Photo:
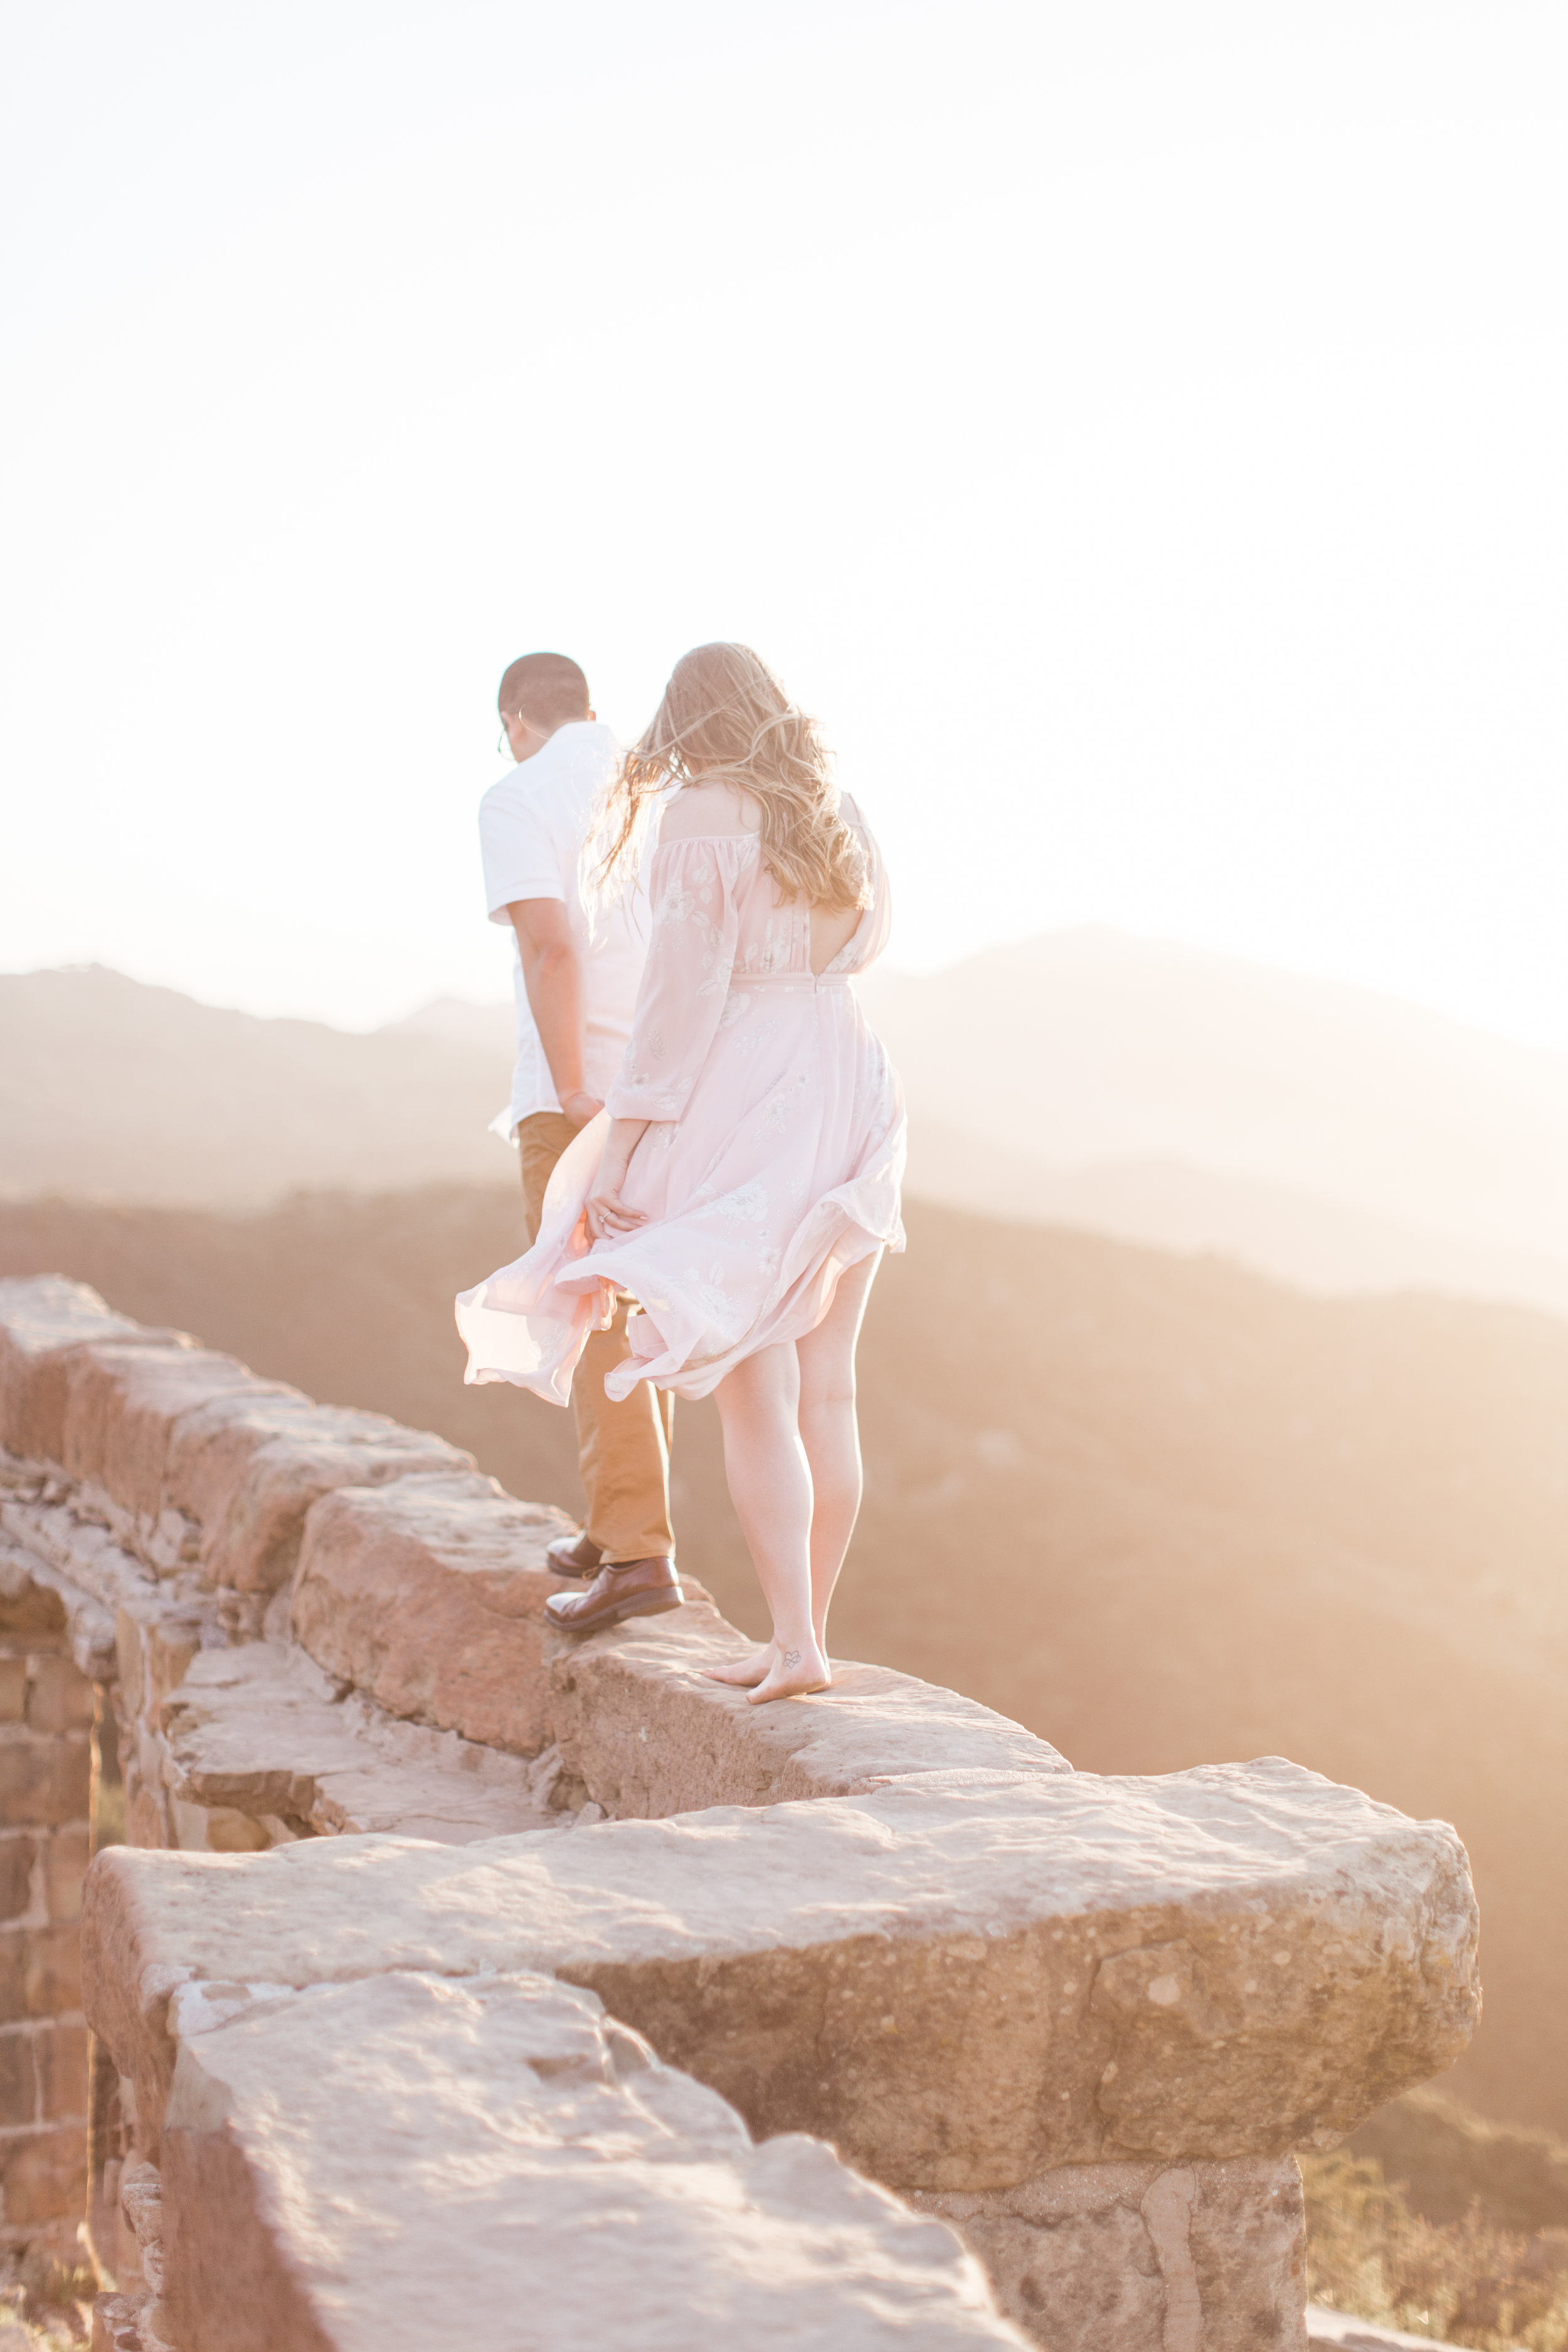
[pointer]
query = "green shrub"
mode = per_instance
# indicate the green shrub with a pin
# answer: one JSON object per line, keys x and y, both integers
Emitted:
{"x": 1468, "y": 2282}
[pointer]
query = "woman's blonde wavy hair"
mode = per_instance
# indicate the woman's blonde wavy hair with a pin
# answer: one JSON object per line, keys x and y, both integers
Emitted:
{"x": 726, "y": 720}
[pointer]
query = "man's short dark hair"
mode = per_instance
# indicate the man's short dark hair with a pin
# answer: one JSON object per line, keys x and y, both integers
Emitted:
{"x": 547, "y": 689}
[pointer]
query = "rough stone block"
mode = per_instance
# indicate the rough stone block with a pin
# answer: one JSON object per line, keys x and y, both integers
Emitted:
{"x": 43, "y": 1781}
{"x": 42, "y": 1319}
{"x": 59, "y": 2055}
{"x": 18, "y": 2079}
{"x": 122, "y": 1401}
{"x": 260, "y": 1733}
{"x": 59, "y": 1593}
{"x": 59, "y": 1696}
{"x": 28, "y": 1608}
{"x": 43, "y": 2175}
{"x": 155, "y": 1641}
{"x": 217, "y": 1828}
{"x": 114, "y": 2327}
{"x": 147, "y": 1818}
{"x": 13, "y": 1688}
{"x": 40, "y": 1972}
{"x": 325, "y": 2152}
{"x": 15, "y": 1875}
{"x": 248, "y": 1469}
{"x": 1146, "y": 2258}
{"x": 919, "y": 1971}
{"x": 429, "y": 1594}
{"x": 646, "y": 1735}
{"x": 65, "y": 1857}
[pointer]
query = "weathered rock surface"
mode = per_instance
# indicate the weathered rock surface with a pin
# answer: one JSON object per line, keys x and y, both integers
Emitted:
{"x": 1146, "y": 2258}
{"x": 646, "y": 1735}
{"x": 43, "y": 1319}
{"x": 429, "y": 1596}
{"x": 122, "y": 1401}
{"x": 261, "y": 1731}
{"x": 79, "y": 1559}
{"x": 247, "y": 1468}
{"x": 588, "y": 2195}
{"x": 963, "y": 1985}
{"x": 206, "y": 1462}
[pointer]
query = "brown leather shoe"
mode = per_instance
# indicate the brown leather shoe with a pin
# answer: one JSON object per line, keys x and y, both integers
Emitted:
{"x": 627, "y": 1588}
{"x": 574, "y": 1556}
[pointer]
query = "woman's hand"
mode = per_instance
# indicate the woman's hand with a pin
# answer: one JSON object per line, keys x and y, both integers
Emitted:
{"x": 609, "y": 1217}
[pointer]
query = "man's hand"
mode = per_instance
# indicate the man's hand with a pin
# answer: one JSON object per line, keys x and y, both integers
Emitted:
{"x": 580, "y": 1107}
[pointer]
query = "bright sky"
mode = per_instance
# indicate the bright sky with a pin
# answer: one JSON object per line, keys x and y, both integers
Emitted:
{"x": 1136, "y": 428}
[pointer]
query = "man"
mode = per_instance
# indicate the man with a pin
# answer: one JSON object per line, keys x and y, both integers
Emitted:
{"x": 576, "y": 986}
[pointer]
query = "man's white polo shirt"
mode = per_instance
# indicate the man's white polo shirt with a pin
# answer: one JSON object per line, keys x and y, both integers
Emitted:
{"x": 533, "y": 827}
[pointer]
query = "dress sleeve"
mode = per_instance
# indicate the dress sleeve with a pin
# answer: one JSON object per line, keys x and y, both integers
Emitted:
{"x": 692, "y": 953}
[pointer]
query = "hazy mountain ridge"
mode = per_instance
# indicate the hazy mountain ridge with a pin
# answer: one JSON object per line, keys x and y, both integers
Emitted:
{"x": 1322, "y": 1134}
{"x": 1086, "y": 1047}
{"x": 118, "y": 1091}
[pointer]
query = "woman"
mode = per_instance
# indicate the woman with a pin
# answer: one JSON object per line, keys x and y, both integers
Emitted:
{"x": 743, "y": 1178}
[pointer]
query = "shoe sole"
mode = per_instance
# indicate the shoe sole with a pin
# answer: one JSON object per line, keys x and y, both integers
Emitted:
{"x": 653, "y": 1605}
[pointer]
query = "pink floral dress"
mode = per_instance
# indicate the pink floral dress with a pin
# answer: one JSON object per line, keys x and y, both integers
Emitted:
{"x": 773, "y": 1157}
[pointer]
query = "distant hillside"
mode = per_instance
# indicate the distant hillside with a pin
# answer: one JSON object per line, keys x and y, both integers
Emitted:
{"x": 1323, "y": 1134}
{"x": 115, "y": 1091}
{"x": 1297, "y": 1237}
{"x": 1326, "y": 1133}
{"x": 1159, "y": 1509}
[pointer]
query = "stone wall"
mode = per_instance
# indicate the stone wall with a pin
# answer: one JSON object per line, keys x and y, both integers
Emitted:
{"x": 47, "y": 1753}
{"x": 455, "y": 1968}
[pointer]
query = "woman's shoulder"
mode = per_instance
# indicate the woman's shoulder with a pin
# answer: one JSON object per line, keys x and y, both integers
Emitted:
{"x": 701, "y": 812}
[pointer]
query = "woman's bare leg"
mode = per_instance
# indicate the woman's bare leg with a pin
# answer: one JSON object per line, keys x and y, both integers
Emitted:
{"x": 829, "y": 1440}
{"x": 830, "y": 1433}
{"x": 770, "y": 1486}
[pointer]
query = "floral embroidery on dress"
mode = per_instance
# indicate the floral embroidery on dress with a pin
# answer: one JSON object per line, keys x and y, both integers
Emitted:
{"x": 718, "y": 985}
{"x": 723, "y": 1311}
{"x": 748, "y": 1043}
{"x": 772, "y": 953}
{"x": 747, "y": 1206}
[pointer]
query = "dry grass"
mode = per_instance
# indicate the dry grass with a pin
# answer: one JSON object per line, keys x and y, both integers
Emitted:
{"x": 1468, "y": 2282}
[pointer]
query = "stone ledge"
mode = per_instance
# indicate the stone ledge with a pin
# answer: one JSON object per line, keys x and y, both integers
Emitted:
{"x": 263, "y": 1732}
{"x": 1145, "y": 2256}
{"x": 43, "y": 1319}
{"x": 612, "y": 2201}
{"x": 246, "y": 1470}
{"x": 963, "y": 1985}
{"x": 428, "y": 1595}
{"x": 646, "y": 1735}
{"x": 123, "y": 1402}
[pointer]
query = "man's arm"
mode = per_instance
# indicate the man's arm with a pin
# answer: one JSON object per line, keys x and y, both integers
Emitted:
{"x": 552, "y": 975}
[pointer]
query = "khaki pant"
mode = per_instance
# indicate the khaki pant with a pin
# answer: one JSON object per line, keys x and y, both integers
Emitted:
{"x": 622, "y": 1450}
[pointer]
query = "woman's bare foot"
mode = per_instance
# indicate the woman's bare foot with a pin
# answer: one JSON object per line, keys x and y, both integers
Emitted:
{"x": 748, "y": 1673}
{"x": 792, "y": 1675}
